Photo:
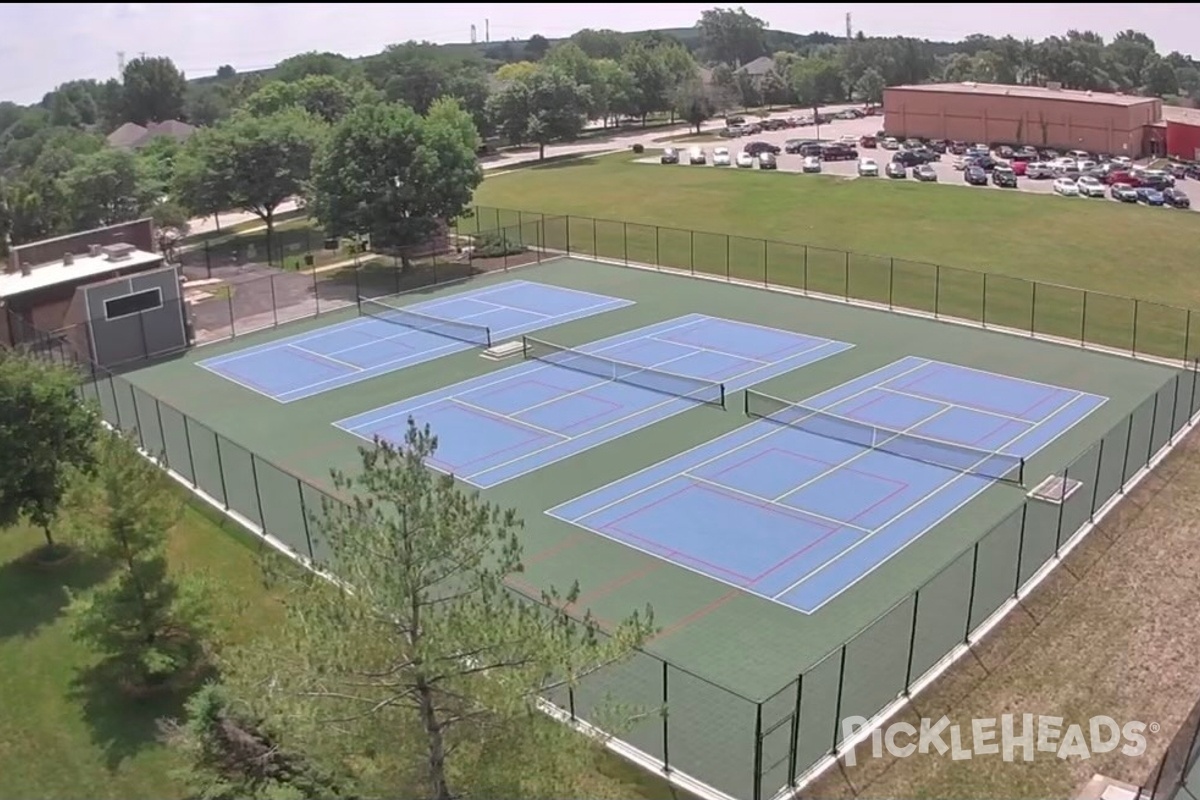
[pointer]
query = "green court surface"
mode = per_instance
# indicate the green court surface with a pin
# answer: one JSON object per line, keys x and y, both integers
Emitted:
{"x": 735, "y": 717}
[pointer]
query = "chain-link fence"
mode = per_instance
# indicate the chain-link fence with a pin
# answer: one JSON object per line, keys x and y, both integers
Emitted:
{"x": 1034, "y": 308}
{"x": 1177, "y": 776}
{"x": 744, "y": 747}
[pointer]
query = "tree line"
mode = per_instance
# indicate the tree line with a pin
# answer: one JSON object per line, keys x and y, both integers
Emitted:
{"x": 266, "y": 137}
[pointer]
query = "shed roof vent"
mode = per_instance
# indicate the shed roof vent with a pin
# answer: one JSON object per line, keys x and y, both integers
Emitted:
{"x": 118, "y": 252}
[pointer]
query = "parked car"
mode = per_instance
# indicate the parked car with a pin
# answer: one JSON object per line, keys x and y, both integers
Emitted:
{"x": 721, "y": 157}
{"x": 895, "y": 169}
{"x": 1089, "y": 186}
{"x": 868, "y": 168}
{"x": 745, "y": 160}
{"x": 793, "y": 145}
{"x": 1018, "y": 167}
{"x": 697, "y": 156}
{"x": 838, "y": 152}
{"x": 811, "y": 164}
{"x": 890, "y": 143}
{"x": 1150, "y": 196}
{"x": 1004, "y": 177}
{"x": 754, "y": 148}
{"x": 670, "y": 156}
{"x": 1066, "y": 187}
{"x": 909, "y": 158}
{"x": 1123, "y": 192}
{"x": 811, "y": 149}
{"x": 1039, "y": 170}
{"x": 867, "y": 142}
{"x": 975, "y": 175}
{"x": 767, "y": 161}
{"x": 1156, "y": 178}
{"x": 1176, "y": 198}
{"x": 925, "y": 173}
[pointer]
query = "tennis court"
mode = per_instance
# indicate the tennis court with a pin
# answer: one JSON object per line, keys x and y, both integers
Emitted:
{"x": 391, "y": 337}
{"x": 564, "y": 401}
{"x": 801, "y": 504}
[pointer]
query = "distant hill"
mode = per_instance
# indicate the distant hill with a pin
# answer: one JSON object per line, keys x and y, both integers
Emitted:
{"x": 511, "y": 49}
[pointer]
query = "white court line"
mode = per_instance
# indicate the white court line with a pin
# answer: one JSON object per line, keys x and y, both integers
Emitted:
{"x": 1009, "y": 378}
{"x": 1077, "y": 396}
{"x": 773, "y": 430}
{"x": 510, "y": 308}
{"x": 406, "y": 330}
{"x": 502, "y": 378}
{"x": 972, "y": 409}
{"x": 867, "y": 449}
{"x": 237, "y": 381}
{"x": 324, "y": 357}
{"x": 792, "y": 511}
{"x": 508, "y": 418}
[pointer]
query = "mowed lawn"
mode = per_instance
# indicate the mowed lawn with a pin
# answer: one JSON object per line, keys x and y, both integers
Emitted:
{"x": 1148, "y": 253}
{"x": 67, "y": 733}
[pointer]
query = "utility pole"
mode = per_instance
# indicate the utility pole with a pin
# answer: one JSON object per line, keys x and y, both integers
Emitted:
{"x": 849, "y": 30}
{"x": 120, "y": 63}
{"x": 487, "y": 31}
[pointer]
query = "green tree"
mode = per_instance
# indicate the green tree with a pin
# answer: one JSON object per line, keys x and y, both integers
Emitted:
{"x": 154, "y": 90}
{"x": 206, "y": 105}
{"x": 611, "y": 91}
{"x": 195, "y": 185}
{"x": 599, "y": 44}
{"x": 694, "y": 103}
{"x": 537, "y": 47}
{"x": 254, "y": 163}
{"x": 323, "y": 96}
{"x": 46, "y": 435}
{"x": 651, "y": 82}
{"x": 105, "y": 188}
{"x": 6, "y": 221}
{"x": 304, "y": 65}
{"x": 398, "y": 176}
{"x": 149, "y": 624}
{"x": 231, "y": 755}
{"x": 157, "y": 165}
{"x": 732, "y": 36}
{"x": 870, "y": 85}
{"x": 428, "y": 642}
{"x": 556, "y": 108}
{"x": 226, "y": 72}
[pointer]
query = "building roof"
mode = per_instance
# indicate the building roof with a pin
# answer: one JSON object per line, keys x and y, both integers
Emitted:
{"x": 1033, "y": 92}
{"x": 1177, "y": 114}
{"x": 85, "y": 268}
{"x": 131, "y": 136}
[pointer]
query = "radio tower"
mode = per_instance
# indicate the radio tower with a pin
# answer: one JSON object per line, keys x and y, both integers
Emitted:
{"x": 849, "y": 30}
{"x": 120, "y": 63}
{"x": 472, "y": 34}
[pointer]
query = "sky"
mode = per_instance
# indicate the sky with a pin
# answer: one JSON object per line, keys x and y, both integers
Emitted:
{"x": 45, "y": 44}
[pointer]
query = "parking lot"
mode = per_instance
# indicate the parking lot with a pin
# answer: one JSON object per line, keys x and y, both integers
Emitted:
{"x": 835, "y": 130}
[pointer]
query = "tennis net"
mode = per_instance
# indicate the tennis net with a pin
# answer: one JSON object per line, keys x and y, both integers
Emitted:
{"x": 655, "y": 380}
{"x": 963, "y": 458}
{"x": 450, "y": 328}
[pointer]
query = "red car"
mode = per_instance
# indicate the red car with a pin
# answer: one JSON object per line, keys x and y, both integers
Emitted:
{"x": 867, "y": 143}
{"x": 1121, "y": 176}
{"x": 1018, "y": 167}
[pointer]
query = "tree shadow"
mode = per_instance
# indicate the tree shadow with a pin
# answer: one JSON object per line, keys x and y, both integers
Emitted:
{"x": 34, "y": 594}
{"x": 123, "y": 722}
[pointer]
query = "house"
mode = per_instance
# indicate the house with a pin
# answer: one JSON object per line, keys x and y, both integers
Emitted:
{"x": 756, "y": 69}
{"x": 132, "y": 136}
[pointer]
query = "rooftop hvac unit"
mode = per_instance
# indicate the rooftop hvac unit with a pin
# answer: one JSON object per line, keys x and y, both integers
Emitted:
{"x": 93, "y": 250}
{"x": 1054, "y": 86}
{"x": 118, "y": 252}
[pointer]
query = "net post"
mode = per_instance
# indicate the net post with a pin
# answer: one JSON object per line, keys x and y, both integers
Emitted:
{"x": 746, "y": 402}
{"x": 666, "y": 716}
{"x": 487, "y": 337}
{"x": 1021, "y": 471}
{"x": 525, "y": 347}
{"x": 722, "y": 388}
{"x": 758, "y": 750}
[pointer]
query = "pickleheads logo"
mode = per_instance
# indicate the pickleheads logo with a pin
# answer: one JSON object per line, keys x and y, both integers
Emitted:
{"x": 1010, "y": 737}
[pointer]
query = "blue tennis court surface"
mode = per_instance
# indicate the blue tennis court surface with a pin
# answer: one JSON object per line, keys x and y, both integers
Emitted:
{"x": 797, "y": 517}
{"x": 498, "y": 427}
{"x": 339, "y": 355}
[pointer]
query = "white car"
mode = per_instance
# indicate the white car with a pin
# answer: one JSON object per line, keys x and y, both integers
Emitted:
{"x": 745, "y": 160}
{"x": 868, "y": 168}
{"x": 1089, "y": 186}
{"x": 1066, "y": 187}
{"x": 1122, "y": 161}
{"x": 890, "y": 143}
{"x": 721, "y": 157}
{"x": 1038, "y": 170}
{"x": 696, "y": 156}
{"x": 811, "y": 164}
{"x": 847, "y": 138}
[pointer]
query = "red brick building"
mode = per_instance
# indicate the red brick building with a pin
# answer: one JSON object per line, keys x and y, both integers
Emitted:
{"x": 1050, "y": 116}
{"x": 1182, "y": 131}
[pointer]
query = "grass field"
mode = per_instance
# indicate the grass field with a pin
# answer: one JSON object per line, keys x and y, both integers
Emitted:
{"x": 1108, "y": 247}
{"x": 65, "y": 733}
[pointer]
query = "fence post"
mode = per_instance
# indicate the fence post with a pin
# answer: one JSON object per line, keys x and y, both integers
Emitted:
{"x": 1174, "y": 409}
{"x": 1125, "y": 462}
{"x": 758, "y": 754}
{"x": 804, "y": 280}
{"x": 112, "y": 385}
{"x": 1192, "y": 398}
{"x": 275, "y": 303}
{"x": 846, "y": 277}
{"x": 207, "y": 260}
{"x": 568, "y": 223}
{"x": 912, "y": 641}
{"x": 137, "y": 418}
{"x": 262, "y": 519}
{"x": 312, "y": 556}
{"x": 1153, "y": 424}
{"x": 595, "y": 242}
{"x": 232, "y": 321}
{"x": 837, "y": 704}
{"x": 220, "y": 469}
{"x": 162, "y": 434}
{"x": 971, "y": 594}
{"x": 666, "y": 724}
{"x": 727, "y": 272}
{"x": 891, "y": 282}
{"x": 657, "y": 260}
{"x": 692, "y": 251}
{"x": 937, "y": 290}
{"x": 794, "y": 734}
{"x": 1187, "y": 335}
{"x": 571, "y": 702}
{"x": 983, "y": 303}
{"x": 187, "y": 441}
{"x": 1020, "y": 549}
{"x": 1133, "y": 345}
{"x": 1083, "y": 321}
{"x": 625, "y": 242}
{"x": 1096, "y": 483}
